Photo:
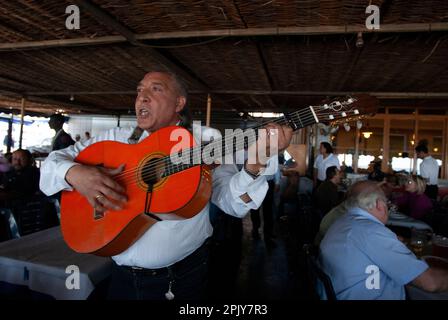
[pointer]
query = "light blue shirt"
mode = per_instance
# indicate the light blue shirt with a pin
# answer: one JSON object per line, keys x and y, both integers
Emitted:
{"x": 356, "y": 242}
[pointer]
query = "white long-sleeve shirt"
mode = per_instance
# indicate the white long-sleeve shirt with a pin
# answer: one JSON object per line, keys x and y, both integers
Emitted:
{"x": 429, "y": 169}
{"x": 172, "y": 239}
{"x": 322, "y": 164}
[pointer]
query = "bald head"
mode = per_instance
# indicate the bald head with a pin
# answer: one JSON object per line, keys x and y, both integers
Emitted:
{"x": 369, "y": 196}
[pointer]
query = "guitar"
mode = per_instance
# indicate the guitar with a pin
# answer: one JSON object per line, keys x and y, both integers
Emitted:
{"x": 154, "y": 184}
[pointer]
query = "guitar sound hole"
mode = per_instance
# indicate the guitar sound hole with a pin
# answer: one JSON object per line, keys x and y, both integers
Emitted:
{"x": 152, "y": 171}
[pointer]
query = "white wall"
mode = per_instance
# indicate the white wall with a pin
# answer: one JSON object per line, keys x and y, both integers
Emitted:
{"x": 79, "y": 124}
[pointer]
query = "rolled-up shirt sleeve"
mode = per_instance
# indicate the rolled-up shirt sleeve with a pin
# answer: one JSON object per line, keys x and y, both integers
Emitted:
{"x": 55, "y": 167}
{"x": 229, "y": 185}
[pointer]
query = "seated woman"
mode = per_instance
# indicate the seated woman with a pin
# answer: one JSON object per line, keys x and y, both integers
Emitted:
{"x": 413, "y": 201}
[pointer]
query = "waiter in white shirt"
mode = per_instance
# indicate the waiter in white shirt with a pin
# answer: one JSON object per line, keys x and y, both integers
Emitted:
{"x": 170, "y": 259}
{"x": 429, "y": 169}
{"x": 324, "y": 160}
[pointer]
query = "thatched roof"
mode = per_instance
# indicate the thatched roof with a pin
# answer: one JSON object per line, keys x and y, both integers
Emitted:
{"x": 249, "y": 55}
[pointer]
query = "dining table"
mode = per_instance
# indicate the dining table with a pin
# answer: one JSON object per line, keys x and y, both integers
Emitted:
{"x": 398, "y": 219}
{"x": 44, "y": 263}
{"x": 415, "y": 293}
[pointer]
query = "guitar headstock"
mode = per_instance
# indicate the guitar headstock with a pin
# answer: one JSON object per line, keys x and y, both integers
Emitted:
{"x": 347, "y": 109}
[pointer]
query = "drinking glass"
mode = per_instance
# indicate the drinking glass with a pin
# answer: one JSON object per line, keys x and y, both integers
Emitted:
{"x": 419, "y": 239}
{"x": 440, "y": 246}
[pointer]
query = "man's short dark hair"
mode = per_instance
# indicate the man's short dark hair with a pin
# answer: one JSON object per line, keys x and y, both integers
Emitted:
{"x": 58, "y": 118}
{"x": 331, "y": 172}
{"x": 421, "y": 148}
{"x": 182, "y": 90}
{"x": 327, "y": 147}
{"x": 27, "y": 153}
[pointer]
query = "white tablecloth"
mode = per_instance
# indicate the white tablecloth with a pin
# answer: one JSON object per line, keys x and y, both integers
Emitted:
{"x": 39, "y": 261}
{"x": 401, "y": 220}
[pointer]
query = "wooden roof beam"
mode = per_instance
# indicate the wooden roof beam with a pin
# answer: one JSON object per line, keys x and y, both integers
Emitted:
{"x": 388, "y": 95}
{"x": 246, "y": 32}
{"x": 105, "y": 18}
{"x": 55, "y": 102}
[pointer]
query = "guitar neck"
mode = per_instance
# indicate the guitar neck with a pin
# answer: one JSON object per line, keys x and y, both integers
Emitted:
{"x": 229, "y": 145}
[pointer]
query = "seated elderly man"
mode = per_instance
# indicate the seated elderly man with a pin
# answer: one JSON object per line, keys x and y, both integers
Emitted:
{"x": 327, "y": 196}
{"x": 22, "y": 181}
{"x": 365, "y": 260}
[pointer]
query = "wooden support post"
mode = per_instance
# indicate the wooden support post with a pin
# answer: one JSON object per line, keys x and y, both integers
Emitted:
{"x": 416, "y": 125}
{"x": 22, "y": 115}
{"x": 209, "y": 107}
{"x": 386, "y": 145}
{"x": 356, "y": 155}
{"x": 9, "y": 139}
{"x": 444, "y": 174}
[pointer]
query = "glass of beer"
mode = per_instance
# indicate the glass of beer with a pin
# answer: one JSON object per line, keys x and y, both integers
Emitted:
{"x": 440, "y": 246}
{"x": 419, "y": 239}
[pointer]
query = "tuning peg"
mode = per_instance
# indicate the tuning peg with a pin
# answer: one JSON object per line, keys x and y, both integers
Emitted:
{"x": 346, "y": 127}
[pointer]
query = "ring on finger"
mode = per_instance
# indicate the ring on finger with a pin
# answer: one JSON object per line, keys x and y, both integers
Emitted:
{"x": 99, "y": 196}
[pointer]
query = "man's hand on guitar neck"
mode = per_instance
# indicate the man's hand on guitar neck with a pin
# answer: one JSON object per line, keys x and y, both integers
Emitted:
{"x": 283, "y": 135}
{"x": 98, "y": 186}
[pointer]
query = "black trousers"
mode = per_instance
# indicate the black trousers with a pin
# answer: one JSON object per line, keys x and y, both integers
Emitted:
{"x": 268, "y": 215}
{"x": 432, "y": 191}
{"x": 187, "y": 278}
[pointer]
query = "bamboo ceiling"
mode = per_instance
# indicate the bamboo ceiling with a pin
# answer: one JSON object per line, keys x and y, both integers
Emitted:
{"x": 249, "y": 55}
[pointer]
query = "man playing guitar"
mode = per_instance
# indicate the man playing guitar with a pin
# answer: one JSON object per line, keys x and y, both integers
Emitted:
{"x": 170, "y": 259}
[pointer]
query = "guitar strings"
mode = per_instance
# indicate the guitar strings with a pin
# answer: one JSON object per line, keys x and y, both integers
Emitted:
{"x": 196, "y": 149}
{"x": 162, "y": 159}
{"x": 149, "y": 171}
{"x": 175, "y": 167}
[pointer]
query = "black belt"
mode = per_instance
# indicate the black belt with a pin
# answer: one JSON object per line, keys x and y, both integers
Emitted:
{"x": 185, "y": 263}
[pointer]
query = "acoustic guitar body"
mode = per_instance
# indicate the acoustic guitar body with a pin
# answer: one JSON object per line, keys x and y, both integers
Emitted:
{"x": 184, "y": 193}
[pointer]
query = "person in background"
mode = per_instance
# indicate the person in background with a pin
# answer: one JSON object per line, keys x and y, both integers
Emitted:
{"x": 375, "y": 172}
{"x": 5, "y": 163}
{"x": 359, "y": 246}
{"x": 429, "y": 169}
{"x": 325, "y": 159}
{"x": 414, "y": 202}
{"x": 77, "y": 138}
{"x": 345, "y": 168}
{"x": 22, "y": 182}
{"x": 87, "y": 135}
{"x": 62, "y": 139}
{"x": 327, "y": 195}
